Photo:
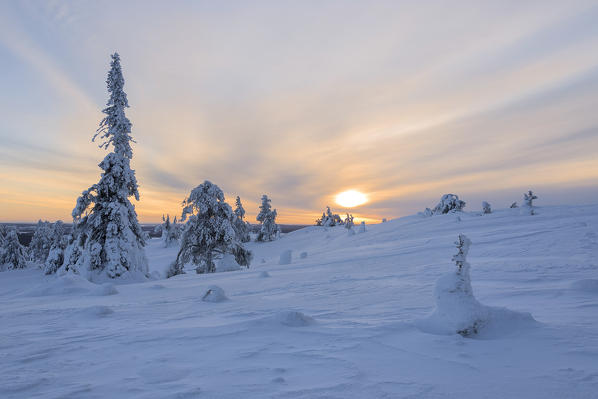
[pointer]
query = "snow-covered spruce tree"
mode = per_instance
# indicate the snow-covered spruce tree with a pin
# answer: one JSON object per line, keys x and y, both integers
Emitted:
{"x": 56, "y": 255}
{"x": 269, "y": 230}
{"x": 448, "y": 203}
{"x": 241, "y": 227}
{"x": 209, "y": 232}
{"x": 528, "y": 202}
{"x": 486, "y": 208}
{"x": 12, "y": 253}
{"x": 42, "y": 239}
{"x": 107, "y": 239}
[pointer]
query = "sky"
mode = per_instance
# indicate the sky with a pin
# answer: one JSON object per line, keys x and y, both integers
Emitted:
{"x": 401, "y": 100}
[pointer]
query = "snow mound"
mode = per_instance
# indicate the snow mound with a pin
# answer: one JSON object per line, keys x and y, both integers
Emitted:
{"x": 588, "y": 285}
{"x": 303, "y": 255}
{"x": 459, "y": 312}
{"x": 264, "y": 274}
{"x": 214, "y": 294}
{"x": 157, "y": 287}
{"x": 293, "y": 319}
{"x": 285, "y": 257}
{"x": 106, "y": 289}
{"x": 227, "y": 264}
{"x": 67, "y": 284}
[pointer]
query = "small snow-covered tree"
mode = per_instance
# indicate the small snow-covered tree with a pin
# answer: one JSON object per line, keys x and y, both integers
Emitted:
{"x": 528, "y": 201}
{"x": 108, "y": 240}
{"x": 269, "y": 230}
{"x": 42, "y": 239}
{"x": 329, "y": 219}
{"x": 241, "y": 227}
{"x": 486, "y": 208}
{"x": 448, "y": 203}
{"x": 12, "y": 253}
{"x": 170, "y": 232}
{"x": 349, "y": 222}
{"x": 209, "y": 232}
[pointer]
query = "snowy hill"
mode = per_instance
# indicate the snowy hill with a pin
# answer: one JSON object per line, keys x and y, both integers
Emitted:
{"x": 343, "y": 322}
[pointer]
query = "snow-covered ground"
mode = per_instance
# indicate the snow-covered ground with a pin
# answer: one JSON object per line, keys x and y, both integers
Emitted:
{"x": 343, "y": 322}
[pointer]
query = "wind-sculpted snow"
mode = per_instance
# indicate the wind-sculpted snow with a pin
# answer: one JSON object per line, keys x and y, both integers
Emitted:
{"x": 348, "y": 321}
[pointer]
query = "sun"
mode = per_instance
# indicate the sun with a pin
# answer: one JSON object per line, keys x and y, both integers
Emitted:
{"x": 351, "y": 198}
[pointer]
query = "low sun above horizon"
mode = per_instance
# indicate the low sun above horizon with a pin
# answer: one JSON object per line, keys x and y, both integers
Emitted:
{"x": 351, "y": 198}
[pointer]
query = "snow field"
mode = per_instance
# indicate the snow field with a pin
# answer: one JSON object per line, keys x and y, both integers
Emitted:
{"x": 348, "y": 321}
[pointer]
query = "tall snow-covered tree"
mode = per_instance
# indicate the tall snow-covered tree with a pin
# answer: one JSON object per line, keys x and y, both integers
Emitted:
{"x": 241, "y": 227}
{"x": 269, "y": 230}
{"x": 209, "y": 232}
{"x": 42, "y": 240}
{"x": 12, "y": 253}
{"x": 108, "y": 240}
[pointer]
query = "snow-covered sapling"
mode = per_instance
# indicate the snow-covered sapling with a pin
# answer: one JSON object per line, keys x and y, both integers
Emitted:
{"x": 349, "y": 222}
{"x": 528, "y": 201}
{"x": 12, "y": 253}
{"x": 486, "y": 208}
{"x": 242, "y": 228}
{"x": 269, "y": 230}
{"x": 349, "y": 225}
{"x": 108, "y": 240}
{"x": 209, "y": 233}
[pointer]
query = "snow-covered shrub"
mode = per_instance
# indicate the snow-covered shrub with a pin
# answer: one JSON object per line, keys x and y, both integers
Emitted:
{"x": 209, "y": 233}
{"x": 528, "y": 202}
{"x": 269, "y": 230}
{"x": 285, "y": 257}
{"x": 242, "y": 228}
{"x": 514, "y": 205}
{"x": 448, "y": 203}
{"x": 108, "y": 240}
{"x": 12, "y": 253}
{"x": 329, "y": 219}
{"x": 486, "y": 208}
